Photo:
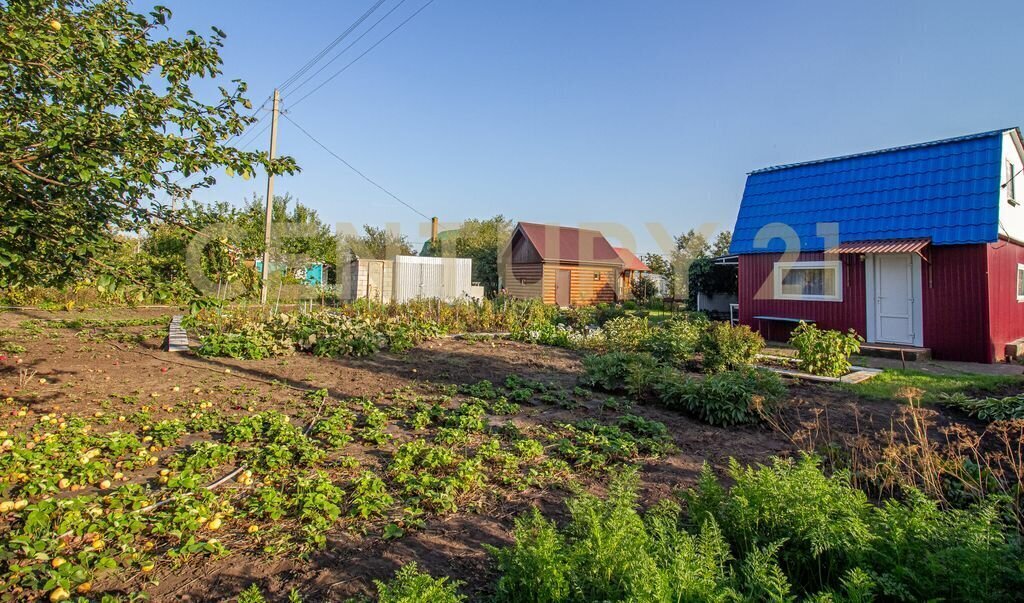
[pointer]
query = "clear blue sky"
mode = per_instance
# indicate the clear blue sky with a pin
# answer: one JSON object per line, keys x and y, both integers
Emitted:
{"x": 608, "y": 111}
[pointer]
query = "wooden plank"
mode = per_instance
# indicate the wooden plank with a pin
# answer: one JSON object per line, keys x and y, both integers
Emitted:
{"x": 177, "y": 338}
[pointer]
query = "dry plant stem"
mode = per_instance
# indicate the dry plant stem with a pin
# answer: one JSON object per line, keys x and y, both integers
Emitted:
{"x": 24, "y": 376}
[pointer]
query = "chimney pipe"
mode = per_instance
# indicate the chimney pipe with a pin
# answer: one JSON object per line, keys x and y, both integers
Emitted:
{"x": 433, "y": 231}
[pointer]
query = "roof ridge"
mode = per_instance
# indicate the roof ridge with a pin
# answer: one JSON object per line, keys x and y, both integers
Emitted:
{"x": 881, "y": 151}
{"x": 563, "y": 226}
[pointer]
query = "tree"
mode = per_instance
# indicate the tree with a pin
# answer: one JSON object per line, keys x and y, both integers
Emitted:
{"x": 710, "y": 278}
{"x": 692, "y": 245}
{"x": 720, "y": 246}
{"x": 643, "y": 289}
{"x": 298, "y": 230}
{"x": 97, "y": 121}
{"x": 377, "y": 243}
{"x": 481, "y": 241}
{"x": 658, "y": 264}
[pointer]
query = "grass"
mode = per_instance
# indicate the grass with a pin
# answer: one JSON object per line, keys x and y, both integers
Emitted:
{"x": 886, "y": 385}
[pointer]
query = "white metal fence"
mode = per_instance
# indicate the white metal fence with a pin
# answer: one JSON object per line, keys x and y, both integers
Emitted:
{"x": 447, "y": 279}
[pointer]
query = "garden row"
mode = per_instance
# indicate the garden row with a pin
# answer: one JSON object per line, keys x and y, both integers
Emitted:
{"x": 359, "y": 329}
{"x": 83, "y": 503}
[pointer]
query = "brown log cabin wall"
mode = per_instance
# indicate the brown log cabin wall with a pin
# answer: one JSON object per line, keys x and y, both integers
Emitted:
{"x": 524, "y": 281}
{"x": 583, "y": 288}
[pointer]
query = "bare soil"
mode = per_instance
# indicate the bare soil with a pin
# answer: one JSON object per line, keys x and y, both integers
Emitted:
{"x": 86, "y": 371}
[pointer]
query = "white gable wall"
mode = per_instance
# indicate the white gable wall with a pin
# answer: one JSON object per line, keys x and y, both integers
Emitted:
{"x": 1011, "y": 219}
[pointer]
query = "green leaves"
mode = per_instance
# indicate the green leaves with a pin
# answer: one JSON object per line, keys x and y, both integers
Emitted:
{"x": 824, "y": 352}
{"x": 97, "y": 119}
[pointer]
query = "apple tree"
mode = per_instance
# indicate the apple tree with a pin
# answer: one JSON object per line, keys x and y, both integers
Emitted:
{"x": 98, "y": 122}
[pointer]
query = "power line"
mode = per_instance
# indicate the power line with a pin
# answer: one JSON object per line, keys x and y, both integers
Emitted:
{"x": 302, "y": 71}
{"x": 352, "y": 167}
{"x": 313, "y": 61}
{"x": 364, "y": 53}
{"x": 347, "y": 48}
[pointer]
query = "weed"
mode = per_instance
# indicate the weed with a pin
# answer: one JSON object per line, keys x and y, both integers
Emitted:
{"x": 412, "y": 586}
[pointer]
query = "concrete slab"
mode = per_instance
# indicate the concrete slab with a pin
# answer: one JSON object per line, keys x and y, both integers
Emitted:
{"x": 856, "y": 374}
{"x": 939, "y": 367}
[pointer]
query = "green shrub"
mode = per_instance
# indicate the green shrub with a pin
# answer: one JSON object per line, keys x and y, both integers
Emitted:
{"x": 724, "y": 399}
{"x": 253, "y": 341}
{"x": 783, "y": 532}
{"x": 605, "y": 312}
{"x": 412, "y": 586}
{"x": 922, "y": 552}
{"x": 610, "y": 552}
{"x": 331, "y": 335}
{"x": 723, "y": 347}
{"x": 824, "y": 352}
{"x": 819, "y": 524}
{"x": 626, "y": 333}
{"x": 676, "y": 340}
{"x": 610, "y": 371}
{"x": 578, "y": 317}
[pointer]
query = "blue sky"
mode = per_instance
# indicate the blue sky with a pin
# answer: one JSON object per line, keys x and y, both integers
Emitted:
{"x": 607, "y": 111}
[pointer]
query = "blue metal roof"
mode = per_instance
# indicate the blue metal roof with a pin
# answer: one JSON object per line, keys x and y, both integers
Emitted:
{"x": 947, "y": 190}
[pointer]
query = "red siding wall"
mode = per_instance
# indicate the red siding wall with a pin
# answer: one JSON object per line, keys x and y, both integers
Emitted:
{"x": 955, "y": 304}
{"x": 755, "y": 293}
{"x": 1005, "y": 312}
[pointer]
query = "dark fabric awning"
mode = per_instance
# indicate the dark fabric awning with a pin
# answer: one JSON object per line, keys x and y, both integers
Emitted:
{"x": 886, "y": 246}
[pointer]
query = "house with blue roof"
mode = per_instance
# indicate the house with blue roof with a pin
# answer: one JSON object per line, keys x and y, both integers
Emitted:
{"x": 919, "y": 246}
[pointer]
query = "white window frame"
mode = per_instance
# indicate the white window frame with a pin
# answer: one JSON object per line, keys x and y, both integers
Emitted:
{"x": 1011, "y": 192}
{"x": 781, "y": 267}
{"x": 1020, "y": 276}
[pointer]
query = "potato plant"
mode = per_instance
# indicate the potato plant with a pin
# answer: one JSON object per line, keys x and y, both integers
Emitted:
{"x": 87, "y": 501}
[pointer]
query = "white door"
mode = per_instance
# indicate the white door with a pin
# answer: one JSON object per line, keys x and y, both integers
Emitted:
{"x": 895, "y": 305}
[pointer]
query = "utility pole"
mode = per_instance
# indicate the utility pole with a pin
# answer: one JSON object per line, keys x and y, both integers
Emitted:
{"x": 270, "y": 198}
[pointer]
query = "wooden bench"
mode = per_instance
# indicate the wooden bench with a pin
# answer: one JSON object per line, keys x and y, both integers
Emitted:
{"x": 771, "y": 319}
{"x": 783, "y": 319}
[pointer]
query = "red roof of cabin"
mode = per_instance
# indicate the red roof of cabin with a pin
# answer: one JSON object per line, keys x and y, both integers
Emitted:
{"x": 567, "y": 244}
{"x": 630, "y": 261}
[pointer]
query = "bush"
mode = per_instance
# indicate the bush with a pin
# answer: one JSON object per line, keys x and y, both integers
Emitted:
{"x": 922, "y": 552}
{"x": 611, "y": 371}
{"x": 676, "y": 340}
{"x": 626, "y": 333}
{"x": 723, "y": 399}
{"x": 820, "y": 523}
{"x": 412, "y": 586}
{"x": 252, "y": 341}
{"x": 610, "y": 552}
{"x": 606, "y": 312}
{"x": 824, "y": 352}
{"x": 723, "y": 346}
{"x": 578, "y": 317}
{"x": 826, "y": 535}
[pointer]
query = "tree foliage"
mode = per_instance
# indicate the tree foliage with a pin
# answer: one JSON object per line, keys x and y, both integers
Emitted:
{"x": 481, "y": 241}
{"x": 377, "y": 244}
{"x": 720, "y": 246}
{"x": 98, "y": 120}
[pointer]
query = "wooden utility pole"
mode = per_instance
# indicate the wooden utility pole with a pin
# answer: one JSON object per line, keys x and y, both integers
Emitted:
{"x": 270, "y": 198}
